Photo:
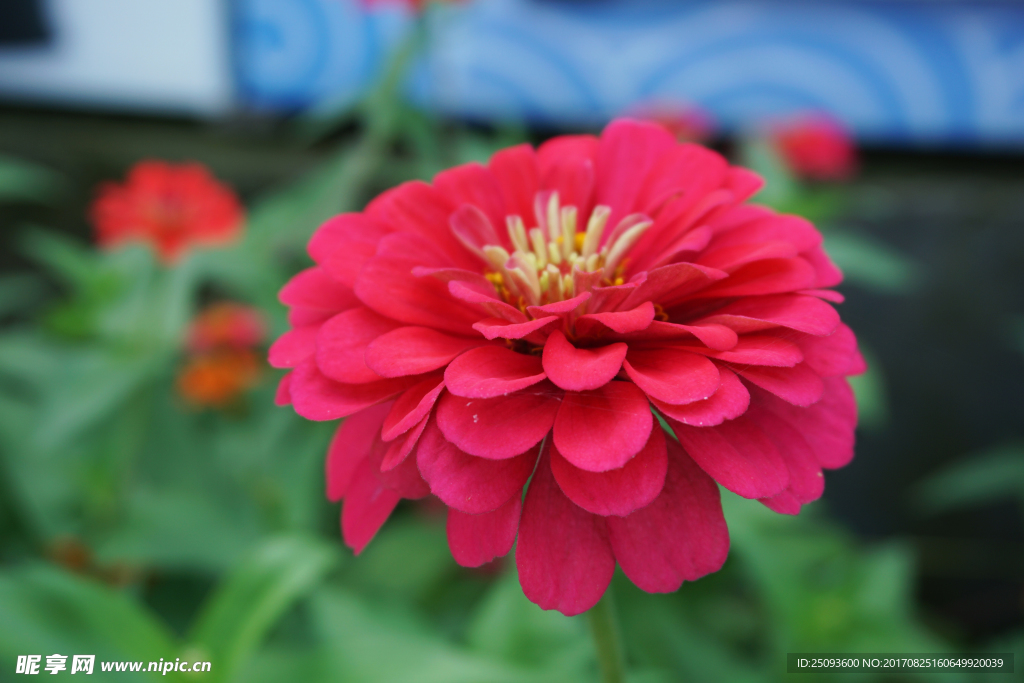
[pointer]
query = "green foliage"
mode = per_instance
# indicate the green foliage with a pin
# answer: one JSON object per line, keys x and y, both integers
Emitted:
{"x": 991, "y": 475}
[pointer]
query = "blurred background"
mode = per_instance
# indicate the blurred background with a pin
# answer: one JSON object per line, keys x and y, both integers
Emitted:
{"x": 154, "y": 503}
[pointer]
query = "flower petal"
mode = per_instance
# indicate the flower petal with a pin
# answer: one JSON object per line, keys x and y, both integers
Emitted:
{"x": 516, "y": 171}
{"x": 401, "y": 447}
{"x": 412, "y": 406}
{"x": 737, "y": 455}
{"x": 316, "y": 397}
{"x": 351, "y": 445}
{"x": 580, "y": 369}
{"x": 756, "y": 349}
{"x": 293, "y": 347}
{"x": 490, "y": 371}
{"x": 477, "y": 539}
{"x": 623, "y": 322}
{"x": 806, "y": 482}
{"x": 499, "y": 427}
{"x": 672, "y": 375}
{"x": 836, "y": 354}
{"x": 469, "y": 483}
{"x": 619, "y": 491}
{"x": 564, "y": 559}
{"x": 495, "y": 328}
{"x": 602, "y": 429}
{"x": 283, "y": 395}
{"x": 729, "y": 402}
{"x": 681, "y": 536}
{"x": 799, "y": 384}
{"x": 828, "y": 425}
{"x": 368, "y": 504}
{"x": 341, "y": 344}
{"x": 804, "y": 313}
{"x": 315, "y": 288}
{"x": 414, "y": 350}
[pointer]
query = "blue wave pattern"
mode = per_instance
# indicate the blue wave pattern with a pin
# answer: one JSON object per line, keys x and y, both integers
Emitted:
{"x": 907, "y": 72}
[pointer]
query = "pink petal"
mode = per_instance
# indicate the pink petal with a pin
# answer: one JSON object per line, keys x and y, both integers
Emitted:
{"x": 495, "y": 328}
{"x": 473, "y": 229}
{"x": 475, "y": 185}
{"x": 737, "y": 455}
{"x": 491, "y": 371}
{"x": 784, "y": 503}
{"x": 401, "y": 447}
{"x": 764, "y": 226}
{"x": 806, "y": 482}
{"x": 769, "y": 276}
{"x": 293, "y": 347}
{"x": 671, "y": 283}
{"x": 351, "y": 445}
{"x": 826, "y": 272}
{"x": 341, "y": 345}
{"x": 799, "y": 385}
{"x": 315, "y": 288}
{"x": 515, "y": 169}
{"x": 386, "y": 284}
{"x": 487, "y": 299}
{"x": 368, "y": 504}
{"x": 804, "y": 313}
{"x": 729, "y": 402}
{"x": 681, "y": 536}
{"x": 477, "y": 539}
{"x": 469, "y": 483}
{"x": 757, "y": 349}
{"x": 828, "y": 425}
{"x": 622, "y": 322}
{"x": 619, "y": 491}
{"x": 731, "y": 258}
{"x": 580, "y": 369}
{"x": 564, "y": 559}
{"x": 403, "y": 477}
{"x": 672, "y": 375}
{"x": 283, "y": 395}
{"x": 627, "y": 152}
{"x": 412, "y": 406}
{"x": 414, "y": 350}
{"x": 836, "y": 354}
{"x": 421, "y": 210}
{"x": 573, "y": 178}
{"x": 316, "y": 397}
{"x": 345, "y": 243}
{"x": 602, "y": 429}
{"x": 499, "y": 427}
{"x": 559, "y": 307}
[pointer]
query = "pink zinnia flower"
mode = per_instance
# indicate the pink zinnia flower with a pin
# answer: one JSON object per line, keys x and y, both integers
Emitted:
{"x": 528, "y": 317}
{"x": 816, "y": 147}
{"x": 170, "y": 207}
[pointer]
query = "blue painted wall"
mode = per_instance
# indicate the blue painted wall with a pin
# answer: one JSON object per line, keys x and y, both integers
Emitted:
{"x": 910, "y": 72}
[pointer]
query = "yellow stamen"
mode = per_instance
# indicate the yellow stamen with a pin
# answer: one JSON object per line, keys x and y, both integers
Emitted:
{"x": 595, "y": 227}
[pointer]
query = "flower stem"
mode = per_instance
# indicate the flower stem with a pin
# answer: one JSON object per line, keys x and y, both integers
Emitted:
{"x": 604, "y": 626}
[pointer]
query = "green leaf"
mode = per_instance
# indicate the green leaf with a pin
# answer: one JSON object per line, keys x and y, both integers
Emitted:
{"x": 980, "y": 478}
{"x": 47, "y": 611}
{"x": 507, "y": 626}
{"x": 870, "y": 263}
{"x": 24, "y": 181}
{"x": 243, "y": 609}
{"x": 371, "y": 644}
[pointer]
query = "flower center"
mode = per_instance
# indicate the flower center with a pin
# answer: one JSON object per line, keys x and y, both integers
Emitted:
{"x": 555, "y": 260}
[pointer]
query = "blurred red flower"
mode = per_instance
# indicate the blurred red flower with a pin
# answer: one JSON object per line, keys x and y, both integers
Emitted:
{"x": 222, "y": 363}
{"x": 226, "y": 325}
{"x": 472, "y": 351}
{"x": 172, "y": 207}
{"x": 816, "y": 147}
{"x": 415, "y": 5}
{"x": 216, "y": 378}
{"x": 688, "y": 123}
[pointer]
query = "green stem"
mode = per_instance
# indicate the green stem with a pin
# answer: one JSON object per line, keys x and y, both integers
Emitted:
{"x": 604, "y": 626}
